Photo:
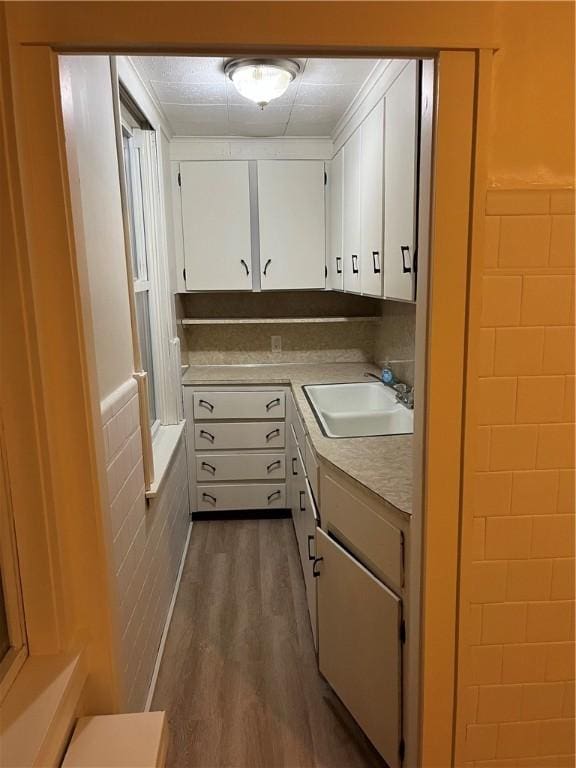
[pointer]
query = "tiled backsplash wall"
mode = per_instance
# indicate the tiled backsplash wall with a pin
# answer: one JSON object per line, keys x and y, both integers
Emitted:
{"x": 517, "y": 662}
{"x": 395, "y": 338}
{"x": 148, "y": 539}
{"x": 388, "y": 336}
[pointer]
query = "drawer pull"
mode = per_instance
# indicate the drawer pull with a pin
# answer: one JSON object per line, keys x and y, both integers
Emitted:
{"x": 376, "y": 262}
{"x": 311, "y": 538}
{"x": 206, "y": 404}
{"x": 273, "y": 495}
{"x": 209, "y": 497}
{"x": 273, "y": 464}
{"x": 207, "y": 435}
{"x": 405, "y": 250}
{"x": 210, "y": 467}
{"x": 273, "y": 433}
{"x": 316, "y": 572}
{"x": 272, "y": 403}
{"x": 267, "y": 265}
{"x": 302, "y": 508}
{"x": 245, "y": 266}
{"x": 338, "y": 265}
{"x": 294, "y": 470}
{"x": 355, "y": 264}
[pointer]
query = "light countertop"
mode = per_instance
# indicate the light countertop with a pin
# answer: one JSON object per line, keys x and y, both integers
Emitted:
{"x": 382, "y": 465}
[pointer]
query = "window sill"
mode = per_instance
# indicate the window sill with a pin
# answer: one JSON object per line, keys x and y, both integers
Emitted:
{"x": 166, "y": 440}
{"x": 40, "y": 709}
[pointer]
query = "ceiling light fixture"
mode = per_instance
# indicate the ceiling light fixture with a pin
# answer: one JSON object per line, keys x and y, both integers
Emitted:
{"x": 261, "y": 80}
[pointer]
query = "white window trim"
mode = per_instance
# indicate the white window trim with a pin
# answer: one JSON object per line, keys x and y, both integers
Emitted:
{"x": 165, "y": 346}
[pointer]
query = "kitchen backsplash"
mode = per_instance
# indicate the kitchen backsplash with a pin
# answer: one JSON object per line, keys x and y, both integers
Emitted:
{"x": 388, "y": 335}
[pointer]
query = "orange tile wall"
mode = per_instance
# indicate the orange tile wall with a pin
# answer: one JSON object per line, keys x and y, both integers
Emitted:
{"x": 516, "y": 668}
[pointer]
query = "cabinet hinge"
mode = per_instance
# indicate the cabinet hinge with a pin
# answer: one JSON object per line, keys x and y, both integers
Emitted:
{"x": 179, "y": 179}
{"x": 325, "y": 178}
{"x": 401, "y": 750}
{"x": 402, "y": 631}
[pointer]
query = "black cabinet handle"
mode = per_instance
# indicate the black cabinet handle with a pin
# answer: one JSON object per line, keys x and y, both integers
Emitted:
{"x": 294, "y": 472}
{"x": 273, "y": 464}
{"x": 354, "y": 264}
{"x": 272, "y": 403}
{"x": 245, "y": 266}
{"x": 315, "y": 572}
{"x": 302, "y": 508}
{"x": 208, "y": 435}
{"x": 274, "y": 494}
{"x": 206, "y": 404}
{"x": 209, "y": 497}
{"x": 310, "y": 540}
{"x": 273, "y": 433}
{"x": 376, "y": 262}
{"x": 405, "y": 249}
{"x": 210, "y": 467}
{"x": 338, "y": 265}
{"x": 267, "y": 265}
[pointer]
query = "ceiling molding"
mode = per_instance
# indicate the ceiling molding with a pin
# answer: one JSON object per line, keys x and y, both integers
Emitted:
{"x": 130, "y": 76}
{"x": 375, "y": 87}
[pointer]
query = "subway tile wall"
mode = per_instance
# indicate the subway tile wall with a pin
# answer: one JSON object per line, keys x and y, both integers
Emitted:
{"x": 148, "y": 540}
{"x": 516, "y": 703}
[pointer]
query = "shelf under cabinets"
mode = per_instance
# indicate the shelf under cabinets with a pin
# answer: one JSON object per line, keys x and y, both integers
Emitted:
{"x": 274, "y": 320}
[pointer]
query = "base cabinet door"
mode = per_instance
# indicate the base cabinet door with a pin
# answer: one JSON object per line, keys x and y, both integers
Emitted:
{"x": 359, "y": 650}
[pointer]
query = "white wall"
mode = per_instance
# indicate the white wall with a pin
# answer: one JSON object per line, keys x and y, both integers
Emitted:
{"x": 146, "y": 538}
{"x": 93, "y": 168}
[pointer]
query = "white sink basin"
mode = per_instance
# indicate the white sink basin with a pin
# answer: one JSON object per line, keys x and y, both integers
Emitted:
{"x": 365, "y": 409}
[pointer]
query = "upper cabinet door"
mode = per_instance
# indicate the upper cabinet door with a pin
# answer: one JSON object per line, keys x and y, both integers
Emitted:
{"x": 334, "y": 256}
{"x": 371, "y": 197}
{"x": 291, "y": 220}
{"x": 351, "y": 231}
{"x": 216, "y": 225}
{"x": 400, "y": 185}
{"x": 359, "y": 651}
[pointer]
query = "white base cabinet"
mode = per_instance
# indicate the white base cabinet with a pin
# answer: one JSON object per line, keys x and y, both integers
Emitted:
{"x": 359, "y": 651}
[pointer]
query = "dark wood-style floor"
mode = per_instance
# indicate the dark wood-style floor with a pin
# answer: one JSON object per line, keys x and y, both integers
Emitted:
{"x": 239, "y": 679}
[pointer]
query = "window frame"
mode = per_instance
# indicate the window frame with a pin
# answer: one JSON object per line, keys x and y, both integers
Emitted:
{"x": 143, "y": 251}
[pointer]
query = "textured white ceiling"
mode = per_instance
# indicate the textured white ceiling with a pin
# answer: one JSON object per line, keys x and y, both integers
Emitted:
{"x": 199, "y": 100}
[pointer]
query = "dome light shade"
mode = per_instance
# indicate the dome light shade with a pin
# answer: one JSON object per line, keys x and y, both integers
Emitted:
{"x": 261, "y": 80}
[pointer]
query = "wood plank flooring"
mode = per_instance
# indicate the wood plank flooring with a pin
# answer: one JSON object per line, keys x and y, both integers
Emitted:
{"x": 239, "y": 679}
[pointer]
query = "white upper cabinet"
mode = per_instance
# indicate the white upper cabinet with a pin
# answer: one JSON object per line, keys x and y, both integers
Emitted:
{"x": 291, "y": 222}
{"x": 334, "y": 255}
{"x": 400, "y": 185}
{"x": 351, "y": 231}
{"x": 216, "y": 225}
{"x": 371, "y": 201}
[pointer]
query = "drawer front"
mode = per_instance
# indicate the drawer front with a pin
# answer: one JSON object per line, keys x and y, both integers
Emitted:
{"x": 239, "y": 405}
{"x": 312, "y": 468}
{"x": 232, "y": 497}
{"x": 240, "y": 466}
{"x": 372, "y": 539}
{"x": 264, "y": 434}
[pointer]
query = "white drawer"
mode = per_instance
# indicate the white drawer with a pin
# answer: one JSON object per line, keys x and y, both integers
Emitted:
{"x": 240, "y": 466}
{"x": 248, "y": 496}
{"x": 239, "y": 405}
{"x": 264, "y": 434}
{"x": 373, "y": 540}
{"x": 312, "y": 468}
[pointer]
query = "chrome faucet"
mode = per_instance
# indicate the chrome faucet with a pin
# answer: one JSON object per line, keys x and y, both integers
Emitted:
{"x": 404, "y": 393}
